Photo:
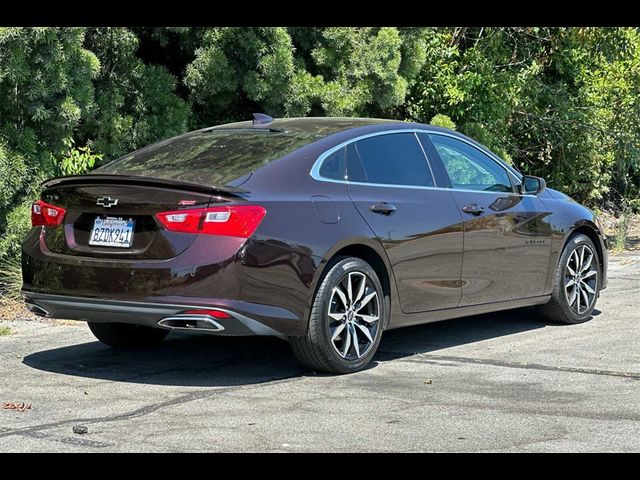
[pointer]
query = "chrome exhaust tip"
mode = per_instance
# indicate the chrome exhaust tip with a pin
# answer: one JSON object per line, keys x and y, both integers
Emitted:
{"x": 191, "y": 322}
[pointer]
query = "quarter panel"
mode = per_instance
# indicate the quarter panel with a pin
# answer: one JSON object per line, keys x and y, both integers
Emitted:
{"x": 307, "y": 222}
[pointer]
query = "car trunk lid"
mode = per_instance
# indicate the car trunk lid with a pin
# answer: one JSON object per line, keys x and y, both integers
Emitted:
{"x": 103, "y": 210}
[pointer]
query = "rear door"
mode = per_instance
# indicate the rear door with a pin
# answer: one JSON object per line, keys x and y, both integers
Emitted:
{"x": 392, "y": 186}
{"x": 506, "y": 235}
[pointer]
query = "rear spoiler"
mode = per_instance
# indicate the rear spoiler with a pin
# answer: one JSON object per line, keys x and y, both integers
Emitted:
{"x": 93, "y": 179}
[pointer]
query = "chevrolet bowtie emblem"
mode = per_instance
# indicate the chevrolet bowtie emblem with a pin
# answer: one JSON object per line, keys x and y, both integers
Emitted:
{"x": 107, "y": 202}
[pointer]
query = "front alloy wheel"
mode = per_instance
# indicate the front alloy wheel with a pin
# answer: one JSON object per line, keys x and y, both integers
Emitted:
{"x": 581, "y": 279}
{"x": 576, "y": 283}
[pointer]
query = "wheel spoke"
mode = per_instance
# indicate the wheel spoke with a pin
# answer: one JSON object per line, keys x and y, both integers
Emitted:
{"x": 366, "y": 331}
{"x": 337, "y": 331}
{"x": 576, "y": 259}
{"x": 579, "y": 267}
{"x": 336, "y": 316}
{"x": 589, "y": 274}
{"x": 587, "y": 264}
{"x": 350, "y": 289}
{"x": 585, "y": 298}
{"x": 570, "y": 282}
{"x": 356, "y": 344}
{"x": 366, "y": 300}
{"x": 572, "y": 295}
{"x": 363, "y": 284}
{"x": 578, "y": 293}
{"x": 588, "y": 288}
{"x": 343, "y": 298}
{"x": 571, "y": 270}
{"x": 346, "y": 343}
{"x": 368, "y": 318}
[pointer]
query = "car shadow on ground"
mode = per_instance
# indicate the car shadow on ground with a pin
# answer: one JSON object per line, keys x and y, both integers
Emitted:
{"x": 440, "y": 335}
{"x": 202, "y": 360}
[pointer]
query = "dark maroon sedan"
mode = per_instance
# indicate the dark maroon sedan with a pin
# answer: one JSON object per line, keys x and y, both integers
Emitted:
{"x": 323, "y": 231}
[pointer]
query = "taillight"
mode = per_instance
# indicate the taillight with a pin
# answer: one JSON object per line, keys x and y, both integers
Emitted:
{"x": 233, "y": 221}
{"x": 46, "y": 215}
{"x": 221, "y": 314}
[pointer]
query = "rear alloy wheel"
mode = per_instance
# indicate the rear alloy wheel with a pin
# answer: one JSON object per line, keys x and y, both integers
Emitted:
{"x": 346, "y": 321}
{"x": 576, "y": 283}
{"x": 126, "y": 335}
{"x": 354, "y": 315}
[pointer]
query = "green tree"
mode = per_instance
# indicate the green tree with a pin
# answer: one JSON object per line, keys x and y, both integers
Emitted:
{"x": 548, "y": 99}
{"x": 46, "y": 89}
{"x": 237, "y": 70}
{"x": 300, "y": 71}
{"x": 136, "y": 103}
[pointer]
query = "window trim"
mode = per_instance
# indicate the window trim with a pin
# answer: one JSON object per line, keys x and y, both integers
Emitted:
{"x": 315, "y": 169}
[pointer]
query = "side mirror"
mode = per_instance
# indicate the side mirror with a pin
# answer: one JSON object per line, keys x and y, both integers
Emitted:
{"x": 532, "y": 185}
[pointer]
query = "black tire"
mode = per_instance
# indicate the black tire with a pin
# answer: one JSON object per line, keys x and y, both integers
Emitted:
{"x": 559, "y": 310}
{"x": 317, "y": 350}
{"x": 126, "y": 335}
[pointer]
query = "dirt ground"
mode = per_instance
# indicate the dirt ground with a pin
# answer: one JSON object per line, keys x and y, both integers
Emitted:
{"x": 612, "y": 225}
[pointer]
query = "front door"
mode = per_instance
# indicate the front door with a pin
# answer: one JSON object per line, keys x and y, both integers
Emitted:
{"x": 507, "y": 239}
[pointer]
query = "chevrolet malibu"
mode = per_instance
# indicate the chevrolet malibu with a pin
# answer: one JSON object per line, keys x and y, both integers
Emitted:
{"x": 322, "y": 231}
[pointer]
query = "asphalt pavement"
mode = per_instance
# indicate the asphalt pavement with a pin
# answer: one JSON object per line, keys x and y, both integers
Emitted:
{"x": 497, "y": 382}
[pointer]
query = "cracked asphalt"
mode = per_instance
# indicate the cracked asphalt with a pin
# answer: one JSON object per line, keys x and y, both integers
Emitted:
{"x": 499, "y": 382}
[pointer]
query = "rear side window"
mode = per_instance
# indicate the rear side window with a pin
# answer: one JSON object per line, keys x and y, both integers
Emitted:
{"x": 334, "y": 166}
{"x": 394, "y": 159}
{"x": 214, "y": 157}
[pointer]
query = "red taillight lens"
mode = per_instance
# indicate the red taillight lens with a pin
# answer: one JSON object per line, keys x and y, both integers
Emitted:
{"x": 185, "y": 221}
{"x": 212, "y": 313}
{"x": 233, "y": 221}
{"x": 239, "y": 221}
{"x": 46, "y": 215}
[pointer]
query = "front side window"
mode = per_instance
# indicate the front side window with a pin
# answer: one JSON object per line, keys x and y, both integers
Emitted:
{"x": 468, "y": 167}
{"x": 392, "y": 159}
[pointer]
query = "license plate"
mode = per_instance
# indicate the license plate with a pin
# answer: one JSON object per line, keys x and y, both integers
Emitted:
{"x": 111, "y": 232}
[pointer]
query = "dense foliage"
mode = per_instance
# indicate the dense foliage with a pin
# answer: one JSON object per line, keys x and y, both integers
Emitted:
{"x": 563, "y": 103}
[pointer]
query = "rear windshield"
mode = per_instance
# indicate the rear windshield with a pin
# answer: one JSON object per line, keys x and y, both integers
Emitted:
{"x": 214, "y": 157}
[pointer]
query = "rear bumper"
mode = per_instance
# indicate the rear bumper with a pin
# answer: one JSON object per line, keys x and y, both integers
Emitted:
{"x": 262, "y": 282}
{"x": 246, "y": 319}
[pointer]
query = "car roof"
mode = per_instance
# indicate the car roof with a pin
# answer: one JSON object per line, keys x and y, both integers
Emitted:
{"x": 342, "y": 128}
{"x": 321, "y": 126}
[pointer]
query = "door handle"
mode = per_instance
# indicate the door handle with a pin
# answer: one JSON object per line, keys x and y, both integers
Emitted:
{"x": 473, "y": 209}
{"x": 383, "y": 208}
